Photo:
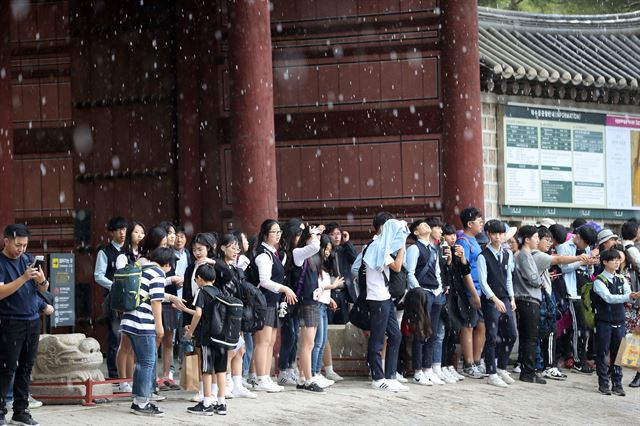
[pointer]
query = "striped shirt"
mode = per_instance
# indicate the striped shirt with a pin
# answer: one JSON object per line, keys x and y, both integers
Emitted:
{"x": 140, "y": 321}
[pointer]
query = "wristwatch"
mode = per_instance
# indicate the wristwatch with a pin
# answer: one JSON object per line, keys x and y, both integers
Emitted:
{"x": 45, "y": 282}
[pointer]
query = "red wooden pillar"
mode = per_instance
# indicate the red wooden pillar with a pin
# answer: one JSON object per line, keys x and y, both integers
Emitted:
{"x": 188, "y": 132}
{"x": 463, "y": 182}
{"x": 8, "y": 205}
{"x": 252, "y": 125}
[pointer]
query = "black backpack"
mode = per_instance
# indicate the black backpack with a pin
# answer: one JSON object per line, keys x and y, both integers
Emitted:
{"x": 254, "y": 307}
{"x": 359, "y": 315}
{"x": 251, "y": 273}
{"x": 223, "y": 317}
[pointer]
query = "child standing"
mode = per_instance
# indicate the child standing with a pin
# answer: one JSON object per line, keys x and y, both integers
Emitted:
{"x": 495, "y": 267}
{"x": 610, "y": 292}
{"x": 214, "y": 358}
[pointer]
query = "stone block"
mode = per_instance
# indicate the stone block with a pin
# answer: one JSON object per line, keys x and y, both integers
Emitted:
{"x": 348, "y": 349}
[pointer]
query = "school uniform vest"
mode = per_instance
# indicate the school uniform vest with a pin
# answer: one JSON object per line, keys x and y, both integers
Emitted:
{"x": 112, "y": 254}
{"x": 304, "y": 289}
{"x": 427, "y": 257}
{"x": 277, "y": 275}
{"x": 609, "y": 312}
{"x": 497, "y": 272}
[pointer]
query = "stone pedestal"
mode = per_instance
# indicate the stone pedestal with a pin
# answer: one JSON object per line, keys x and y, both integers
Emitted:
{"x": 349, "y": 350}
{"x": 64, "y": 359}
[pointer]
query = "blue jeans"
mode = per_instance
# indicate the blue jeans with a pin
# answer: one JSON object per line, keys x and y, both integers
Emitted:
{"x": 383, "y": 321}
{"x": 289, "y": 332}
{"x": 441, "y": 300}
{"x": 422, "y": 351}
{"x": 320, "y": 341}
{"x": 144, "y": 375}
{"x": 500, "y": 334}
{"x": 248, "y": 346}
{"x": 608, "y": 338}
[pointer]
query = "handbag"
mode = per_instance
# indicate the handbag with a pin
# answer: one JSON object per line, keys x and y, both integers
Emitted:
{"x": 189, "y": 374}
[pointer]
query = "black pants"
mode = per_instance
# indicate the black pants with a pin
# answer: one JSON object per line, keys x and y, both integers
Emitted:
{"x": 608, "y": 338}
{"x": 528, "y": 319}
{"x": 113, "y": 343}
{"x": 18, "y": 350}
{"x": 580, "y": 331}
{"x": 341, "y": 315}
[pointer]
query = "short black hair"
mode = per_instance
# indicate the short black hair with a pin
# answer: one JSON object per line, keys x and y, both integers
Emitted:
{"x": 577, "y": 223}
{"x": 380, "y": 219}
{"x": 180, "y": 229}
{"x": 413, "y": 227}
{"x": 494, "y": 226}
{"x": 544, "y": 232}
{"x": 525, "y": 231}
{"x": 434, "y": 222}
{"x": 629, "y": 230}
{"x": 16, "y": 230}
{"x": 588, "y": 234}
{"x": 206, "y": 272}
{"x": 609, "y": 254}
{"x": 117, "y": 222}
{"x": 558, "y": 233}
{"x": 469, "y": 215}
{"x": 330, "y": 227}
{"x": 163, "y": 256}
{"x": 448, "y": 229}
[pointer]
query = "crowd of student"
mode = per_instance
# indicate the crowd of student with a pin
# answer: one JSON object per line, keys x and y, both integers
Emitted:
{"x": 483, "y": 287}
{"x": 568, "y": 295}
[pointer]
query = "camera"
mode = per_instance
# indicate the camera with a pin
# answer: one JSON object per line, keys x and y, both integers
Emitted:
{"x": 282, "y": 309}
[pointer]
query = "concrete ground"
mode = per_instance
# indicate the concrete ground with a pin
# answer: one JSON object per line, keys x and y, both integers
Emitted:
{"x": 575, "y": 401}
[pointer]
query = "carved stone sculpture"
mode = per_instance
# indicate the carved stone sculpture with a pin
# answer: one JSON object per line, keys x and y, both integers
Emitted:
{"x": 67, "y": 358}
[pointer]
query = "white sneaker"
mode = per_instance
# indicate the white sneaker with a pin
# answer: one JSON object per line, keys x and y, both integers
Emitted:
{"x": 504, "y": 375}
{"x": 274, "y": 383}
{"x": 420, "y": 379}
{"x": 321, "y": 381}
{"x": 34, "y": 403}
{"x": 229, "y": 384}
{"x": 443, "y": 375}
{"x": 326, "y": 380}
{"x": 332, "y": 375}
{"x": 242, "y": 392}
{"x": 495, "y": 380}
{"x": 286, "y": 379}
{"x": 228, "y": 394}
{"x": 396, "y": 386}
{"x": 198, "y": 397}
{"x": 455, "y": 373}
{"x": 431, "y": 375}
{"x": 249, "y": 382}
{"x": 267, "y": 386}
{"x": 124, "y": 387}
{"x": 381, "y": 384}
{"x": 401, "y": 378}
{"x": 554, "y": 374}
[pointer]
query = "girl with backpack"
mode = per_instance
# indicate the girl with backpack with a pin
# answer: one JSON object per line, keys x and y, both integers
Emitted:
{"x": 307, "y": 268}
{"x": 229, "y": 280}
{"x": 271, "y": 280}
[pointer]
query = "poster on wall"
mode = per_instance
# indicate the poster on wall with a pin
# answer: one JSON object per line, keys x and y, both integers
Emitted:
{"x": 570, "y": 159}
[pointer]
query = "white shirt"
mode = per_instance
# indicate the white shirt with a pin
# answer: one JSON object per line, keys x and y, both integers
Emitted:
{"x": 264, "y": 264}
{"x": 376, "y": 285}
{"x": 324, "y": 280}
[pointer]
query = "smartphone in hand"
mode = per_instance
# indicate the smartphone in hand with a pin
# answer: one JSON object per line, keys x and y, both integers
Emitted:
{"x": 38, "y": 262}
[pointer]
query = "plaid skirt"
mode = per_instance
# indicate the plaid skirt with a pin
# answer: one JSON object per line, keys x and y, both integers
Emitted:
{"x": 271, "y": 317}
{"x": 169, "y": 317}
{"x": 309, "y": 315}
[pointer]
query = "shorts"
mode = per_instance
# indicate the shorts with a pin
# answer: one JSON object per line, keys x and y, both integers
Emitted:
{"x": 271, "y": 317}
{"x": 469, "y": 317}
{"x": 169, "y": 317}
{"x": 214, "y": 359}
{"x": 309, "y": 315}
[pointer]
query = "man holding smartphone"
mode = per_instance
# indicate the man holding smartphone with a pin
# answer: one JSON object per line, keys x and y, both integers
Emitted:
{"x": 20, "y": 280}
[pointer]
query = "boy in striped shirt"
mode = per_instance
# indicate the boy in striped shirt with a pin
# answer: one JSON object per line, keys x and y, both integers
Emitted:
{"x": 144, "y": 325}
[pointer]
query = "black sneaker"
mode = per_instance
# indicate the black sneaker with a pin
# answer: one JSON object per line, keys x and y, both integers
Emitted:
{"x": 312, "y": 387}
{"x": 582, "y": 368}
{"x": 604, "y": 389}
{"x": 635, "y": 383}
{"x": 23, "y": 418}
{"x": 299, "y": 386}
{"x": 618, "y": 391}
{"x": 155, "y": 396}
{"x": 533, "y": 379}
{"x": 201, "y": 409}
{"x": 220, "y": 409}
{"x": 150, "y": 410}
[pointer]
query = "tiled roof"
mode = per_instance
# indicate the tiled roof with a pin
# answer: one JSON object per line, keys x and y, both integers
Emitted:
{"x": 600, "y": 51}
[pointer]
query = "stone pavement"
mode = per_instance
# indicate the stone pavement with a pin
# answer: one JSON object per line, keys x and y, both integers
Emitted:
{"x": 575, "y": 401}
